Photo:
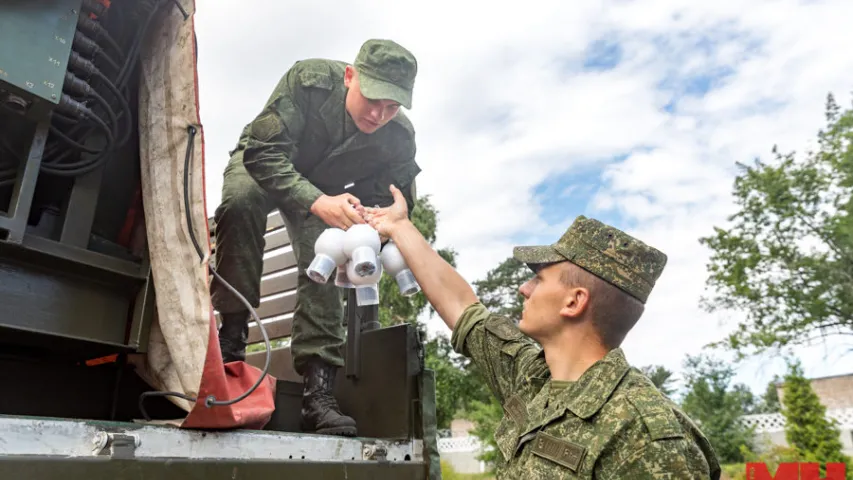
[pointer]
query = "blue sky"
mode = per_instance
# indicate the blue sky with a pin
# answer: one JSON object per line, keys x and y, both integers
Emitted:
{"x": 631, "y": 112}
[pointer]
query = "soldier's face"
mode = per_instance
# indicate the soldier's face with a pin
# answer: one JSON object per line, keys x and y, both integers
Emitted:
{"x": 550, "y": 302}
{"x": 368, "y": 115}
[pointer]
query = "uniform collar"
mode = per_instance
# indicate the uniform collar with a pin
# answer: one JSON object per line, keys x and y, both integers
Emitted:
{"x": 592, "y": 390}
{"x": 334, "y": 114}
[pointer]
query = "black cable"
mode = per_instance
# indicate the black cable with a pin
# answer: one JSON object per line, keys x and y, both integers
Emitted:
{"x": 109, "y": 60}
{"x": 71, "y": 142}
{"x": 92, "y": 6}
{"x": 124, "y": 106}
{"x": 97, "y": 31}
{"x": 108, "y": 110}
{"x": 133, "y": 54}
{"x": 90, "y": 48}
{"x": 211, "y": 399}
{"x": 74, "y": 108}
{"x": 181, "y": 8}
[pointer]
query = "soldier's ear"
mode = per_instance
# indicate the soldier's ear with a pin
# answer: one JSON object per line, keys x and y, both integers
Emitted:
{"x": 349, "y": 73}
{"x": 575, "y": 303}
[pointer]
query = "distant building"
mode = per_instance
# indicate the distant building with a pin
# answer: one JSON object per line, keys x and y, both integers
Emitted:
{"x": 834, "y": 392}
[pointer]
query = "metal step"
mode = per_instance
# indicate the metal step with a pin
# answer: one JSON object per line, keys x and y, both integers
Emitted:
{"x": 37, "y": 438}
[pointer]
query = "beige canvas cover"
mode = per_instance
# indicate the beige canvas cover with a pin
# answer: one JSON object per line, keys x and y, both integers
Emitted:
{"x": 184, "y": 324}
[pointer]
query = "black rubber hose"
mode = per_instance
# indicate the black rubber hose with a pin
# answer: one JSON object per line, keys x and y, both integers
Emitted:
{"x": 210, "y": 400}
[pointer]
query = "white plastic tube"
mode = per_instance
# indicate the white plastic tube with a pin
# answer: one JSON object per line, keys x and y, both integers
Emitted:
{"x": 328, "y": 254}
{"x": 394, "y": 263}
{"x": 341, "y": 278}
{"x": 361, "y": 246}
{"x": 366, "y": 287}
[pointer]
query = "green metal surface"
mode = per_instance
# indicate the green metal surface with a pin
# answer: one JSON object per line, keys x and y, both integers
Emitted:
{"x": 432, "y": 457}
{"x": 181, "y": 469}
{"x": 380, "y": 400}
{"x": 35, "y": 43}
{"x": 49, "y": 302}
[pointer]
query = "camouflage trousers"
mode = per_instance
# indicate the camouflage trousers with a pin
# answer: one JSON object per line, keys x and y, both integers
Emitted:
{"x": 241, "y": 220}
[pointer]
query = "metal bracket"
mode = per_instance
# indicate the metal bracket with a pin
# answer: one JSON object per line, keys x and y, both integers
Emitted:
{"x": 15, "y": 220}
{"x": 115, "y": 445}
{"x": 371, "y": 451}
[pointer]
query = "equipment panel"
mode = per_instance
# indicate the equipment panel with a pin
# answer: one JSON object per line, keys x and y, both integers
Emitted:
{"x": 35, "y": 43}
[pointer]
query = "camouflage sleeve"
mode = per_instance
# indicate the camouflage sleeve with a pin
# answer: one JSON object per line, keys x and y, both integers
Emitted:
{"x": 272, "y": 141}
{"x": 504, "y": 355}
{"x": 658, "y": 459}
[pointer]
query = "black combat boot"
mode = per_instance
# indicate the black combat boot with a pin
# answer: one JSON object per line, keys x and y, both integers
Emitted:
{"x": 233, "y": 335}
{"x": 320, "y": 412}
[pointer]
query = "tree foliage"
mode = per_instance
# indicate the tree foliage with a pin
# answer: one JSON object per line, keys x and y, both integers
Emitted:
{"x": 499, "y": 290}
{"x": 787, "y": 259}
{"x": 454, "y": 388}
{"x": 770, "y": 398}
{"x": 394, "y": 307}
{"x": 717, "y": 406}
{"x": 661, "y": 377}
{"x": 815, "y": 437}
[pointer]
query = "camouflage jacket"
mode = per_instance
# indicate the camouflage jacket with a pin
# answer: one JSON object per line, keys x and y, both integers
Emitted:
{"x": 304, "y": 144}
{"x": 612, "y": 423}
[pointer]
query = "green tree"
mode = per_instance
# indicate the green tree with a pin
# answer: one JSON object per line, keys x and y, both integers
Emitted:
{"x": 499, "y": 293}
{"x": 450, "y": 379}
{"x": 815, "y": 437}
{"x": 499, "y": 290}
{"x": 770, "y": 398}
{"x": 787, "y": 259}
{"x": 717, "y": 406}
{"x": 661, "y": 377}
{"x": 394, "y": 308}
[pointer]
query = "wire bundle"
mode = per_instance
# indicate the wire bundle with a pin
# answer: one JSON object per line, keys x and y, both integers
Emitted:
{"x": 94, "y": 102}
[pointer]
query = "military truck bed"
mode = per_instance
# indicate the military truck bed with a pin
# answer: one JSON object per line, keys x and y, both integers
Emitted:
{"x": 42, "y": 448}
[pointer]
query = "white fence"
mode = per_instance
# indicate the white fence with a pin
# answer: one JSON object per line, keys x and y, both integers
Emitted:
{"x": 462, "y": 452}
{"x": 770, "y": 428}
{"x": 459, "y": 444}
{"x": 775, "y": 422}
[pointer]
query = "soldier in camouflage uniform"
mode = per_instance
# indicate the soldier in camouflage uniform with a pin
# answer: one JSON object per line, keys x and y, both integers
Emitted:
{"x": 329, "y": 139}
{"x": 574, "y": 407}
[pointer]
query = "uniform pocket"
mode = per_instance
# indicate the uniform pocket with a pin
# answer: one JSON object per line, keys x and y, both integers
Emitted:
{"x": 506, "y": 437}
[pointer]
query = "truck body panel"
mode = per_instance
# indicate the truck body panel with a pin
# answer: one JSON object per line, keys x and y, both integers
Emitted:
{"x": 104, "y": 278}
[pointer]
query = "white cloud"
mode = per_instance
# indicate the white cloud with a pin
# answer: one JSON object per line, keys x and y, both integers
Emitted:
{"x": 502, "y": 104}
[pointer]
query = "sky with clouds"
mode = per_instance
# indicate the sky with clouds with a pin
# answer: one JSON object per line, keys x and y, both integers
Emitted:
{"x": 529, "y": 114}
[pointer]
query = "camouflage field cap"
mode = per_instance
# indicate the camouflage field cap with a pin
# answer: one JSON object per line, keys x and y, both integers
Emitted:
{"x": 386, "y": 71}
{"x": 606, "y": 252}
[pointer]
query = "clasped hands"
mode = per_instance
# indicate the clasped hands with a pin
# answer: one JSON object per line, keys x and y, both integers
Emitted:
{"x": 345, "y": 210}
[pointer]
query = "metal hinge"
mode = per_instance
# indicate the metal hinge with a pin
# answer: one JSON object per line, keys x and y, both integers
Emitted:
{"x": 116, "y": 445}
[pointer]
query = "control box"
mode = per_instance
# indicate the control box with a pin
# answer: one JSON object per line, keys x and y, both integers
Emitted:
{"x": 35, "y": 44}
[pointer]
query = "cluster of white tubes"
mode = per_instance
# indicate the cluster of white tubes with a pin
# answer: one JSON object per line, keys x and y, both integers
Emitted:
{"x": 356, "y": 255}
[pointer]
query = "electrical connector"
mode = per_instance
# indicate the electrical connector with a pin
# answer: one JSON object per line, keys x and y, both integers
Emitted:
{"x": 85, "y": 45}
{"x": 93, "y": 6}
{"x": 76, "y": 85}
{"x": 82, "y": 65}
{"x": 91, "y": 27}
{"x": 73, "y": 108}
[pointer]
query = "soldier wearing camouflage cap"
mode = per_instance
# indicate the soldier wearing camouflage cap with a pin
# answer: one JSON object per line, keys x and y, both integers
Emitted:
{"x": 574, "y": 407}
{"x": 329, "y": 139}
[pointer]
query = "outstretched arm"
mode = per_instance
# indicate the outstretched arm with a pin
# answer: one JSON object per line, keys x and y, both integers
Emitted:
{"x": 505, "y": 356}
{"x": 443, "y": 287}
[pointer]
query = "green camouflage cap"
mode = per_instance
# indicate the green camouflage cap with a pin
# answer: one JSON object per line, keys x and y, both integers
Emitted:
{"x": 604, "y": 251}
{"x": 386, "y": 71}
